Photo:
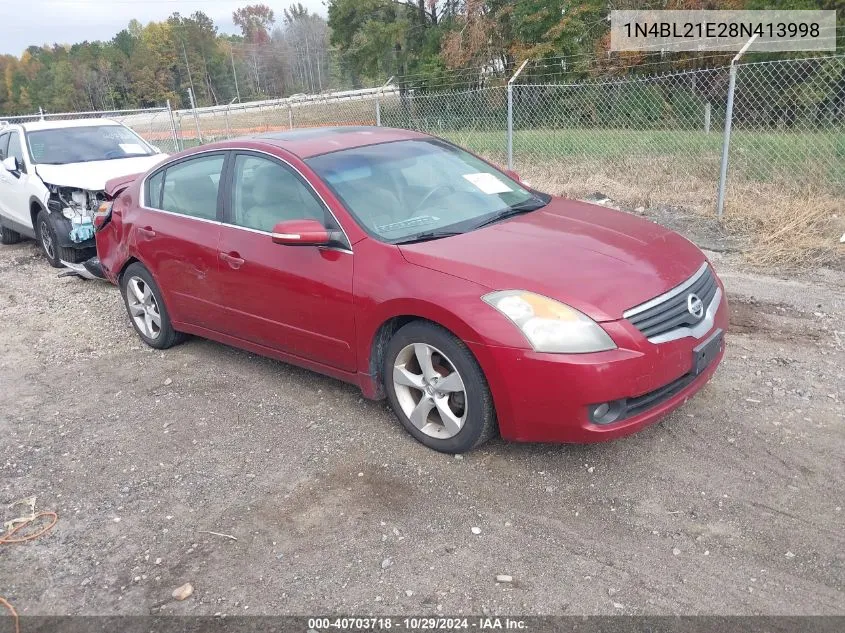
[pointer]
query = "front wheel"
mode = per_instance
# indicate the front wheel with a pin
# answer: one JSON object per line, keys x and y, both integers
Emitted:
{"x": 53, "y": 251}
{"x": 146, "y": 309}
{"x": 437, "y": 389}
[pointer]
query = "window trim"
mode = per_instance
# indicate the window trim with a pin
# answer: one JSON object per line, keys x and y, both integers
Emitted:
{"x": 3, "y": 151}
{"x": 145, "y": 185}
{"x": 228, "y": 173}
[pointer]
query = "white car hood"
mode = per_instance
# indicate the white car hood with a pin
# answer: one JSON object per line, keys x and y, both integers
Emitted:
{"x": 94, "y": 175}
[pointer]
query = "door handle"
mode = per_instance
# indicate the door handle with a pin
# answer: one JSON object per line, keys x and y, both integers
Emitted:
{"x": 233, "y": 259}
{"x": 147, "y": 232}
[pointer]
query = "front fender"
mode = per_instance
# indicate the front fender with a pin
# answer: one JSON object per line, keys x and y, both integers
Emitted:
{"x": 388, "y": 287}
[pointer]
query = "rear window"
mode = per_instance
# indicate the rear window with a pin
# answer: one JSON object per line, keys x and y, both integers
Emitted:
{"x": 191, "y": 186}
{"x": 154, "y": 190}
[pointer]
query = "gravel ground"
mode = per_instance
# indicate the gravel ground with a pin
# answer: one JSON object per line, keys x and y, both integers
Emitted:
{"x": 732, "y": 505}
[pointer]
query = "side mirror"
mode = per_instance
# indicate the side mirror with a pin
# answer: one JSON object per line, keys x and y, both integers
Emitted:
{"x": 11, "y": 165}
{"x": 303, "y": 233}
{"x": 513, "y": 175}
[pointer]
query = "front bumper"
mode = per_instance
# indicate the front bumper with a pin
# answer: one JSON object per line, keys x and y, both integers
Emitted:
{"x": 66, "y": 231}
{"x": 546, "y": 397}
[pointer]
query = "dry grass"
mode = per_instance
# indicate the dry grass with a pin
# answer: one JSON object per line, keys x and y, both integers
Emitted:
{"x": 783, "y": 227}
{"x": 792, "y": 230}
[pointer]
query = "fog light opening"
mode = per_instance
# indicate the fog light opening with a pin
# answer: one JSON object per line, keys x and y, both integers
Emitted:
{"x": 607, "y": 412}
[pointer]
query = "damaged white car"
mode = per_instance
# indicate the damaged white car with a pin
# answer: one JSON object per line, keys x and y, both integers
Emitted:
{"x": 52, "y": 180}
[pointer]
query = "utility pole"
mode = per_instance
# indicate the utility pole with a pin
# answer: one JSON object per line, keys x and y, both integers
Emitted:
{"x": 234, "y": 72}
{"x": 188, "y": 66}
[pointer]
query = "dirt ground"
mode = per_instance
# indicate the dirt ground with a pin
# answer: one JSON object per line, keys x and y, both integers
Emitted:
{"x": 732, "y": 505}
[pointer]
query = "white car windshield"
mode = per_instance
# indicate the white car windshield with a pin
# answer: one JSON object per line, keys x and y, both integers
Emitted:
{"x": 413, "y": 190}
{"x": 61, "y": 146}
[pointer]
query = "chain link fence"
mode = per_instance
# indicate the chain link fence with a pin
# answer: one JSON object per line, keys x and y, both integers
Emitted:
{"x": 641, "y": 141}
{"x": 353, "y": 107}
{"x": 647, "y": 141}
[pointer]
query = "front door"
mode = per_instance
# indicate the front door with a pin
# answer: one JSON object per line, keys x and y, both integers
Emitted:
{"x": 16, "y": 189}
{"x": 296, "y": 299}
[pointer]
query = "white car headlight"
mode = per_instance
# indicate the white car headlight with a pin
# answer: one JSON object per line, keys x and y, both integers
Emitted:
{"x": 549, "y": 325}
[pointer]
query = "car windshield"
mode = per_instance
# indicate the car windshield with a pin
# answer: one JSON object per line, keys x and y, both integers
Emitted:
{"x": 420, "y": 189}
{"x": 84, "y": 144}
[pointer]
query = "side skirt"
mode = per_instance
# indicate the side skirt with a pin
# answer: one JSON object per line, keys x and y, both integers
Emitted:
{"x": 261, "y": 350}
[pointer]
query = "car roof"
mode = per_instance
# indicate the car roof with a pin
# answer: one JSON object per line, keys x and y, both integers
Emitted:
{"x": 309, "y": 142}
{"x": 32, "y": 126}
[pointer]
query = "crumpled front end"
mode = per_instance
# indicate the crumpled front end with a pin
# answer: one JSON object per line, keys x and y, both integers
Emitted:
{"x": 77, "y": 207}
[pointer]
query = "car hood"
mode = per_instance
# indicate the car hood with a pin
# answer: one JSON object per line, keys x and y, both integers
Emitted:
{"x": 597, "y": 260}
{"x": 94, "y": 175}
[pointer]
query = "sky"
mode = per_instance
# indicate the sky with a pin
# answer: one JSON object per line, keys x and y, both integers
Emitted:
{"x": 27, "y": 22}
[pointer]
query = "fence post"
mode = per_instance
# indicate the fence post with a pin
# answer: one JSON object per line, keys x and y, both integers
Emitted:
{"x": 707, "y": 118}
{"x": 726, "y": 141}
{"x": 196, "y": 116}
{"x": 172, "y": 126}
{"x": 290, "y": 116}
{"x": 510, "y": 113}
{"x": 378, "y": 101}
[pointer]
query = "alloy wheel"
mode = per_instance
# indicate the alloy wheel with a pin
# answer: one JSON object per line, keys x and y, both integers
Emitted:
{"x": 430, "y": 390}
{"x": 47, "y": 240}
{"x": 143, "y": 307}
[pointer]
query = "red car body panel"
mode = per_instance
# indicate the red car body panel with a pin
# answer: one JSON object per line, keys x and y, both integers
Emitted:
{"x": 322, "y": 308}
{"x": 568, "y": 251}
{"x": 310, "y": 283}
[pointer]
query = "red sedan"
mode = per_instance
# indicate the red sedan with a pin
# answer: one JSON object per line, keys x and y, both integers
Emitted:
{"x": 421, "y": 273}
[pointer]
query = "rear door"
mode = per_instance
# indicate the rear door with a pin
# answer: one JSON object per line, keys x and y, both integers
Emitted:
{"x": 296, "y": 299}
{"x": 175, "y": 234}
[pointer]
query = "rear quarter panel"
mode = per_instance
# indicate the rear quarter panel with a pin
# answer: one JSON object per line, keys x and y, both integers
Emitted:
{"x": 112, "y": 249}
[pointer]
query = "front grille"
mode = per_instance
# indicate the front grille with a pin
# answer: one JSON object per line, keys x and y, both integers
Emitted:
{"x": 669, "y": 311}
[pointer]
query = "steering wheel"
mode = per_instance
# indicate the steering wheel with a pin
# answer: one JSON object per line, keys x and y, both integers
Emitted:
{"x": 431, "y": 193}
{"x": 114, "y": 153}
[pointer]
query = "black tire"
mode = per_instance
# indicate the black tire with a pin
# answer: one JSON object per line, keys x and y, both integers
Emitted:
{"x": 8, "y": 236}
{"x": 50, "y": 248}
{"x": 480, "y": 424}
{"x": 166, "y": 336}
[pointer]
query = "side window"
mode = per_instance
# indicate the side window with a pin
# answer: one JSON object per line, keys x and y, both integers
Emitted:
{"x": 16, "y": 150}
{"x": 4, "y": 144}
{"x": 266, "y": 192}
{"x": 153, "y": 194}
{"x": 190, "y": 187}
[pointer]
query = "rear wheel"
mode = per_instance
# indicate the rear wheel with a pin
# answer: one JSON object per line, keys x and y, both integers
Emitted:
{"x": 146, "y": 309}
{"x": 46, "y": 235}
{"x": 437, "y": 389}
{"x": 8, "y": 236}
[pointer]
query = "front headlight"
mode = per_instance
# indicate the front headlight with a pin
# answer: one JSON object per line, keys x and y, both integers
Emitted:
{"x": 549, "y": 325}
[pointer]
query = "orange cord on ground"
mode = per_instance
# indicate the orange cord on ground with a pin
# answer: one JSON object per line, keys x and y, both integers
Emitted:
{"x": 13, "y": 612}
{"x": 23, "y": 539}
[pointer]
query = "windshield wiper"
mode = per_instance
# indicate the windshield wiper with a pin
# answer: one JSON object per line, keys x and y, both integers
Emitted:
{"x": 532, "y": 204}
{"x": 430, "y": 235}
